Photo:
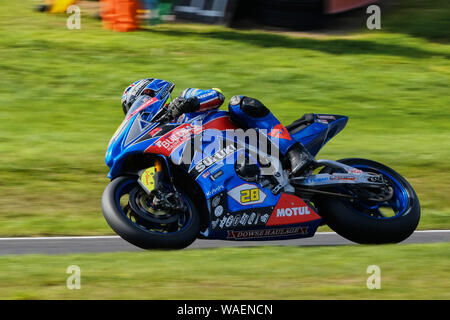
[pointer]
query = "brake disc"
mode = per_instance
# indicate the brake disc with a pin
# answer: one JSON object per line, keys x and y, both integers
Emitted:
{"x": 138, "y": 203}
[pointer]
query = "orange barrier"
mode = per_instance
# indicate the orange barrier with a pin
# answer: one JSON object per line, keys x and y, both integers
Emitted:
{"x": 119, "y": 15}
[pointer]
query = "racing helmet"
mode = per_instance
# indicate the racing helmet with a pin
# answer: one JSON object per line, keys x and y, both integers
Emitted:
{"x": 154, "y": 88}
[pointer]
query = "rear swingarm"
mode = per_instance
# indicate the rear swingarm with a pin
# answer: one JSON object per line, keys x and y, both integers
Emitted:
{"x": 359, "y": 184}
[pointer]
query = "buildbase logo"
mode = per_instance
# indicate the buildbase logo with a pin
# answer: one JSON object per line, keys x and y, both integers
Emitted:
{"x": 291, "y": 210}
{"x": 172, "y": 140}
{"x": 177, "y": 137}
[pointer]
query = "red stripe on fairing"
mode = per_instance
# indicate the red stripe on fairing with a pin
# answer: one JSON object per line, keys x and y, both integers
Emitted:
{"x": 222, "y": 123}
{"x": 145, "y": 105}
{"x": 210, "y": 104}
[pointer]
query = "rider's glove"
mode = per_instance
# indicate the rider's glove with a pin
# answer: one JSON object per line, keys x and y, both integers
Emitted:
{"x": 182, "y": 105}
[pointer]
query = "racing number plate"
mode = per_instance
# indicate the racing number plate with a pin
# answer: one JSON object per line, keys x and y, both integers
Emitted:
{"x": 147, "y": 178}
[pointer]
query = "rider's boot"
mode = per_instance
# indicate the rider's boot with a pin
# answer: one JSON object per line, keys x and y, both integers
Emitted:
{"x": 300, "y": 159}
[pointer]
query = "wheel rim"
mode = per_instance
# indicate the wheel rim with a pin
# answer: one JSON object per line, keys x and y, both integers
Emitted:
{"x": 129, "y": 197}
{"x": 397, "y": 206}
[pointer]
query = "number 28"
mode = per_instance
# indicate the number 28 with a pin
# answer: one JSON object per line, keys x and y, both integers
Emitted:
{"x": 249, "y": 195}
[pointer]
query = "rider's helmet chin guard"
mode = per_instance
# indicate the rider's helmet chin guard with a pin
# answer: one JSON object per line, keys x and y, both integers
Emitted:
{"x": 150, "y": 87}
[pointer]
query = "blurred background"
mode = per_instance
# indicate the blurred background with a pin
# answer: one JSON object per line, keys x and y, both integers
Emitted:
{"x": 60, "y": 89}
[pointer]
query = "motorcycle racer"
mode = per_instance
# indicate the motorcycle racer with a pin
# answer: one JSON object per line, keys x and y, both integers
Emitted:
{"x": 247, "y": 112}
{"x": 170, "y": 184}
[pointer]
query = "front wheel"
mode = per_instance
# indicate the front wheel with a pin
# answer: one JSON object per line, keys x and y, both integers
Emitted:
{"x": 131, "y": 214}
{"x": 370, "y": 222}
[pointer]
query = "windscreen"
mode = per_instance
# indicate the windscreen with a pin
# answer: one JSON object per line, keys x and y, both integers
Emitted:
{"x": 139, "y": 102}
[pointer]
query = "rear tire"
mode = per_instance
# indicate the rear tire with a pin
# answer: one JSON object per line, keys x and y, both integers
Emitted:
{"x": 139, "y": 236}
{"x": 356, "y": 226}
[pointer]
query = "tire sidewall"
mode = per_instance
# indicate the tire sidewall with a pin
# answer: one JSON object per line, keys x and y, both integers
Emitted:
{"x": 138, "y": 236}
{"x": 355, "y": 226}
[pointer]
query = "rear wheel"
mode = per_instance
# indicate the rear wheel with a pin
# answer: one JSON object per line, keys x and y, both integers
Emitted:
{"x": 370, "y": 221}
{"x": 131, "y": 213}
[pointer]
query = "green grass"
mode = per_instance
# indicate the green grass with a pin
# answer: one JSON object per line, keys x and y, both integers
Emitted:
{"x": 407, "y": 272}
{"x": 425, "y": 19}
{"x": 60, "y": 101}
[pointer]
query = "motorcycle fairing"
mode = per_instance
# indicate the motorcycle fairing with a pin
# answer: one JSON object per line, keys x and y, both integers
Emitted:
{"x": 229, "y": 213}
{"x": 136, "y": 125}
{"x": 219, "y": 180}
{"x": 137, "y": 135}
{"x": 236, "y": 205}
{"x": 255, "y": 224}
{"x": 316, "y": 133}
{"x": 168, "y": 144}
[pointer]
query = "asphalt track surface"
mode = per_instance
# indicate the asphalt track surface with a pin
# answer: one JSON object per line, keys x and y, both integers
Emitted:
{"x": 66, "y": 245}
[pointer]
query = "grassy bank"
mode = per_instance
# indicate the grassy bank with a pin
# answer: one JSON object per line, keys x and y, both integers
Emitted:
{"x": 235, "y": 273}
{"x": 60, "y": 102}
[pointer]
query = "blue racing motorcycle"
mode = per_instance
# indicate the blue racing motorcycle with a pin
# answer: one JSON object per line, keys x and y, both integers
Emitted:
{"x": 158, "y": 200}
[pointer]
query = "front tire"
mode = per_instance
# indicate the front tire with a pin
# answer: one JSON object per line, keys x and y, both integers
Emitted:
{"x": 146, "y": 238}
{"x": 358, "y": 221}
